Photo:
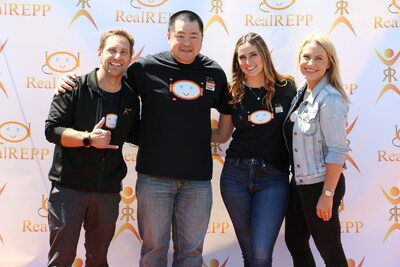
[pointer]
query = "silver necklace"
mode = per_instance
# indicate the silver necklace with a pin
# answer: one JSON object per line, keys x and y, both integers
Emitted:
{"x": 259, "y": 95}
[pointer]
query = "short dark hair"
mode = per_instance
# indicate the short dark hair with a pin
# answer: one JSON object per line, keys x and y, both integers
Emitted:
{"x": 184, "y": 15}
{"x": 117, "y": 31}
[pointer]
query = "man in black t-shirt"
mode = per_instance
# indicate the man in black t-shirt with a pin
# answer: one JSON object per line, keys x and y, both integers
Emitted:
{"x": 178, "y": 89}
{"x": 88, "y": 126}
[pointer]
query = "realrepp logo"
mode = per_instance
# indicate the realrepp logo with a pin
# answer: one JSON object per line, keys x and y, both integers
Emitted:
{"x": 127, "y": 197}
{"x": 15, "y": 132}
{"x": 216, "y": 8}
{"x": 273, "y": 17}
{"x": 393, "y": 196}
{"x": 389, "y": 59}
{"x": 2, "y": 89}
{"x": 83, "y": 12}
{"x": 55, "y": 63}
{"x": 1, "y": 192}
{"x": 341, "y": 8}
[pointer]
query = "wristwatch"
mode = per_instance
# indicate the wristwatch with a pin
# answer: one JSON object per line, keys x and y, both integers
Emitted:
{"x": 87, "y": 141}
{"x": 327, "y": 192}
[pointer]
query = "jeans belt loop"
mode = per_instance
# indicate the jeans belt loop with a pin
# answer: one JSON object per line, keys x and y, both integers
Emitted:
{"x": 237, "y": 162}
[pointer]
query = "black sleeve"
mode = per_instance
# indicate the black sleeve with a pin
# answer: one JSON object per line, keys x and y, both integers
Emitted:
{"x": 132, "y": 74}
{"x": 224, "y": 105}
{"x": 60, "y": 116}
{"x": 133, "y": 136}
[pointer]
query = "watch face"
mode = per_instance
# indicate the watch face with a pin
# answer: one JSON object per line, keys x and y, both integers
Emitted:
{"x": 328, "y": 193}
{"x": 86, "y": 141}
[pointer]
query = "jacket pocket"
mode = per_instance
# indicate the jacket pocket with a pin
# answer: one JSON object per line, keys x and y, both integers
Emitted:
{"x": 308, "y": 122}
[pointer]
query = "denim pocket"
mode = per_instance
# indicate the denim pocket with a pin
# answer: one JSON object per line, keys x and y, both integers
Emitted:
{"x": 231, "y": 162}
{"x": 269, "y": 169}
{"x": 308, "y": 128}
{"x": 308, "y": 121}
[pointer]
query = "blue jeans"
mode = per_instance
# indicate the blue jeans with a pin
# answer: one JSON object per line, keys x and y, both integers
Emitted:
{"x": 256, "y": 196}
{"x": 183, "y": 204}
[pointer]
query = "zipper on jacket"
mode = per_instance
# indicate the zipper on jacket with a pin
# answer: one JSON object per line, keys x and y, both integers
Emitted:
{"x": 103, "y": 164}
{"x": 99, "y": 111}
{"x": 99, "y": 115}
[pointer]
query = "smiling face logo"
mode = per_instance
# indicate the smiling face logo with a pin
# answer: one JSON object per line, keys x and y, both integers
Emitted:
{"x": 186, "y": 90}
{"x": 43, "y": 210}
{"x": 396, "y": 139}
{"x": 260, "y": 117}
{"x": 14, "y": 132}
{"x": 276, "y": 4}
{"x": 148, "y": 3}
{"x": 394, "y": 7}
{"x": 111, "y": 121}
{"x": 61, "y": 62}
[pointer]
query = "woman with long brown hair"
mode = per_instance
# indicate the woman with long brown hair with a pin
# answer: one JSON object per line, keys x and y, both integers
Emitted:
{"x": 255, "y": 176}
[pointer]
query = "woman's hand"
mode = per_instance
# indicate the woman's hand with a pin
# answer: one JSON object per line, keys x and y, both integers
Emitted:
{"x": 324, "y": 207}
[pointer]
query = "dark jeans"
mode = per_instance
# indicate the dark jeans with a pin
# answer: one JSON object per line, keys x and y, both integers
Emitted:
{"x": 256, "y": 196}
{"x": 68, "y": 210}
{"x": 302, "y": 222}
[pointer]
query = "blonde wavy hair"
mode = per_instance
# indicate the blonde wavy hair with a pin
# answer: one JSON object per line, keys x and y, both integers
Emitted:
{"x": 332, "y": 73}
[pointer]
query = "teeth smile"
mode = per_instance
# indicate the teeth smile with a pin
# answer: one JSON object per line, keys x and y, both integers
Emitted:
{"x": 309, "y": 70}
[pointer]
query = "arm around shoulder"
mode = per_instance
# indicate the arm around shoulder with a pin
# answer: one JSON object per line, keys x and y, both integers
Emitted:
{"x": 224, "y": 130}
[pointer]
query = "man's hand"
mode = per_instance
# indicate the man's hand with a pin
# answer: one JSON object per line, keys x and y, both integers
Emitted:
{"x": 65, "y": 82}
{"x": 101, "y": 138}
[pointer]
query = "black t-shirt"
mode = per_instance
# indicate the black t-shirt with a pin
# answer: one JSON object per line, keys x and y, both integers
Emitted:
{"x": 112, "y": 105}
{"x": 175, "y": 130}
{"x": 258, "y": 131}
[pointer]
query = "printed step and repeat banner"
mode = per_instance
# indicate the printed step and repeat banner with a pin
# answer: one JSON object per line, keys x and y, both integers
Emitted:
{"x": 41, "y": 40}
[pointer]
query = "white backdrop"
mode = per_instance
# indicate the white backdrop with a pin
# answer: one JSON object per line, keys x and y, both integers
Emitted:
{"x": 40, "y": 40}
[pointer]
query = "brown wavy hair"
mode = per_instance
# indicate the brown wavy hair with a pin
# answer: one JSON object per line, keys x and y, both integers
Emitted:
{"x": 272, "y": 77}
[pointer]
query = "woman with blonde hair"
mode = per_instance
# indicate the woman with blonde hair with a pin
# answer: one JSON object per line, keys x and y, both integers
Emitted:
{"x": 315, "y": 132}
{"x": 255, "y": 176}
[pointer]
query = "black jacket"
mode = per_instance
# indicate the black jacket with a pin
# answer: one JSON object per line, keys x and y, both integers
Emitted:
{"x": 90, "y": 169}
